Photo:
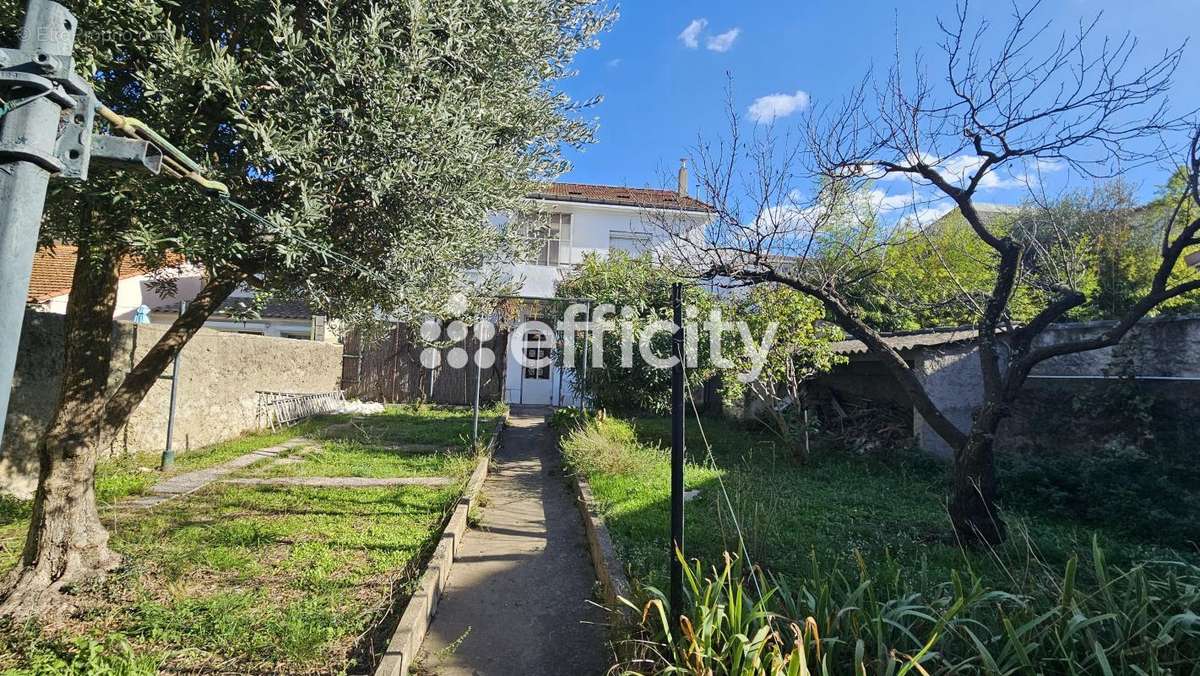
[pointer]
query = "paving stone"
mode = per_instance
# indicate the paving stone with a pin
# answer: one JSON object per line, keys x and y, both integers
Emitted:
{"x": 344, "y": 481}
{"x": 190, "y": 482}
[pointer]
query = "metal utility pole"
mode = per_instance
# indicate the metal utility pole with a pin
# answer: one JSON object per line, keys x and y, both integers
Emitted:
{"x": 46, "y": 116}
{"x": 28, "y": 141}
{"x": 677, "y": 417}
{"x": 168, "y": 456}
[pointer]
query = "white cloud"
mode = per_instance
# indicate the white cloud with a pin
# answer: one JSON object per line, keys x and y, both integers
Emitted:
{"x": 613, "y": 63}
{"x": 690, "y": 37}
{"x": 882, "y": 201}
{"x": 722, "y": 42}
{"x": 773, "y": 106}
{"x": 925, "y": 216}
{"x": 960, "y": 168}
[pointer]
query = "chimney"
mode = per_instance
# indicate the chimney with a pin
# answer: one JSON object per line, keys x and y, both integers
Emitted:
{"x": 683, "y": 177}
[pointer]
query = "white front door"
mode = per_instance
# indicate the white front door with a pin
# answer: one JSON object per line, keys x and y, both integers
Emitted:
{"x": 537, "y": 385}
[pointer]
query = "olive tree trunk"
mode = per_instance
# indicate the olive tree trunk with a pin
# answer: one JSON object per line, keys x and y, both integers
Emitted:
{"x": 66, "y": 542}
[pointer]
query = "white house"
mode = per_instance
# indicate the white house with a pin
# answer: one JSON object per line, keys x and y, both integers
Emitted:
{"x": 54, "y": 268}
{"x": 575, "y": 220}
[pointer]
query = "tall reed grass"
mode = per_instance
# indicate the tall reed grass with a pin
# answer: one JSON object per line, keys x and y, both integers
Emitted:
{"x": 1098, "y": 620}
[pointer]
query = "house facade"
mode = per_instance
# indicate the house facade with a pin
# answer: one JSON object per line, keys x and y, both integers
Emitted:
{"x": 574, "y": 221}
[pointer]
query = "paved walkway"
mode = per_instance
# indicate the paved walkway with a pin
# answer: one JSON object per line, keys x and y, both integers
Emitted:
{"x": 517, "y": 599}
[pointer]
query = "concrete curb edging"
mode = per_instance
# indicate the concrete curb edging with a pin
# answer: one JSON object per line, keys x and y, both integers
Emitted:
{"x": 609, "y": 570}
{"x": 418, "y": 614}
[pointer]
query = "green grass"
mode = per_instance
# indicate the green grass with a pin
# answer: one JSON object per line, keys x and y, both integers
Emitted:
{"x": 836, "y": 507}
{"x": 857, "y": 571}
{"x": 354, "y": 459}
{"x": 265, "y": 578}
{"x": 262, "y": 579}
{"x": 441, "y": 425}
{"x": 132, "y": 475}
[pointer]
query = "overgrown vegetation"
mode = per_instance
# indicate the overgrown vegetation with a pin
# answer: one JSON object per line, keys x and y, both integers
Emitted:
{"x": 264, "y": 579}
{"x": 862, "y": 544}
{"x": 877, "y": 621}
{"x": 641, "y": 288}
{"x": 1113, "y": 454}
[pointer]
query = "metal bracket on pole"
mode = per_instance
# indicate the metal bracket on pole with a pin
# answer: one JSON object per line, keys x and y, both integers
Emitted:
{"x": 128, "y": 150}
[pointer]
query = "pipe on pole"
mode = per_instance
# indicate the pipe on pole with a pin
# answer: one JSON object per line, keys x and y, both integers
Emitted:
{"x": 168, "y": 456}
{"x": 677, "y": 418}
{"x": 28, "y": 132}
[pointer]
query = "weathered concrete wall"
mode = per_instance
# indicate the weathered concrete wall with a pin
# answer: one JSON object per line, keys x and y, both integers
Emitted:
{"x": 1164, "y": 353}
{"x": 219, "y": 376}
{"x": 953, "y": 381}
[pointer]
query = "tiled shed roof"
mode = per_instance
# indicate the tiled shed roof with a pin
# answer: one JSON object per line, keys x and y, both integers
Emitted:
{"x": 910, "y": 340}
{"x": 645, "y": 198}
{"x": 54, "y": 267}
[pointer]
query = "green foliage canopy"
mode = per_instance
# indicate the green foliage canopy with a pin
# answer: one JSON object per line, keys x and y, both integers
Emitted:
{"x": 375, "y": 138}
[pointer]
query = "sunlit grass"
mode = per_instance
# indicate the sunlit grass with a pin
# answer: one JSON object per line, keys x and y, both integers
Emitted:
{"x": 264, "y": 579}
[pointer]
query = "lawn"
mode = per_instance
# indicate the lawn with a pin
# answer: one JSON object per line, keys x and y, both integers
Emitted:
{"x": 860, "y": 572}
{"x": 835, "y": 507}
{"x": 266, "y": 578}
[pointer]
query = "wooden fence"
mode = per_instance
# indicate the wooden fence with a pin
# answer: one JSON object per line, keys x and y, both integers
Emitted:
{"x": 390, "y": 370}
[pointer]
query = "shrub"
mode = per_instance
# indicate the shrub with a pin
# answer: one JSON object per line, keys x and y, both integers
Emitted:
{"x": 1108, "y": 621}
{"x": 567, "y": 419}
{"x": 1150, "y": 495}
{"x": 644, "y": 288}
{"x": 605, "y": 445}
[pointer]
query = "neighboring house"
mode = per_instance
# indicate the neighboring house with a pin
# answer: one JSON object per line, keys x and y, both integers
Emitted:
{"x": 574, "y": 220}
{"x": 54, "y": 268}
{"x": 278, "y": 318}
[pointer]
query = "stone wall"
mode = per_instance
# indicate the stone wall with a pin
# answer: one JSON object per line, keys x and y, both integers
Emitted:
{"x": 219, "y": 376}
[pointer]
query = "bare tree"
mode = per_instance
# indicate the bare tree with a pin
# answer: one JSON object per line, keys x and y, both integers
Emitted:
{"x": 1040, "y": 101}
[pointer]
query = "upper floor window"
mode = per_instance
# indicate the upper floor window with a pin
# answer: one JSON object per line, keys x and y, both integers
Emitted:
{"x": 549, "y": 236}
{"x": 632, "y": 243}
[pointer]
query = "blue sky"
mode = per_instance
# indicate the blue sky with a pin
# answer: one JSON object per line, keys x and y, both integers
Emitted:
{"x": 662, "y": 86}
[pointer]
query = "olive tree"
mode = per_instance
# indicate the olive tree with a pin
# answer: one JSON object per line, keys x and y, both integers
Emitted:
{"x": 367, "y": 143}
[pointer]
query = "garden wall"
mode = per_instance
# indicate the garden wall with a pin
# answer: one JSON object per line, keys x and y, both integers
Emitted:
{"x": 220, "y": 374}
{"x": 1062, "y": 400}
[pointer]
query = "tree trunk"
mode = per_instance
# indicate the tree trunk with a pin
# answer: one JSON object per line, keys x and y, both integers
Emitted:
{"x": 973, "y": 498}
{"x": 66, "y": 542}
{"x": 141, "y": 378}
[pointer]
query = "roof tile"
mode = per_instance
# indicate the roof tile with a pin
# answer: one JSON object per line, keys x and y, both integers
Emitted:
{"x": 54, "y": 268}
{"x": 646, "y": 198}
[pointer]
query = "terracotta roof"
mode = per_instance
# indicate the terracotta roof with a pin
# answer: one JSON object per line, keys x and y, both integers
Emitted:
{"x": 646, "y": 198}
{"x": 274, "y": 309}
{"x": 911, "y": 340}
{"x": 54, "y": 267}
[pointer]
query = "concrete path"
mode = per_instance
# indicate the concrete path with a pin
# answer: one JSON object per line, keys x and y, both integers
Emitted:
{"x": 189, "y": 482}
{"x": 517, "y": 599}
